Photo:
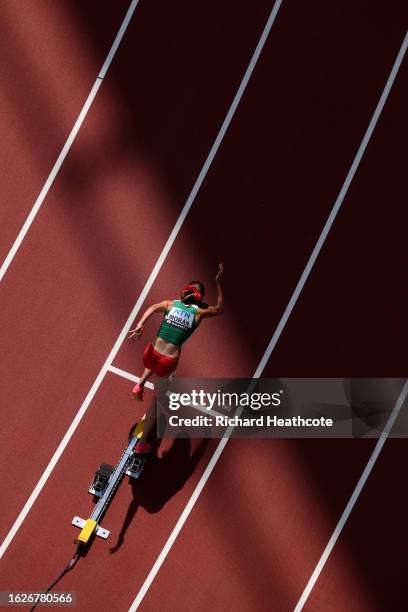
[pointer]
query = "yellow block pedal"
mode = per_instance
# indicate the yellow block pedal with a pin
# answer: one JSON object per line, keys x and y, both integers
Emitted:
{"x": 139, "y": 428}
{"x": 87, "y": 531}
{"x": 99, "y": 531}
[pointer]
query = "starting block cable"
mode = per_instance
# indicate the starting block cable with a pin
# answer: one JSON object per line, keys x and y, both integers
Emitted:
{"x": 90, "y": 526}
{"x": 70, "y": 565}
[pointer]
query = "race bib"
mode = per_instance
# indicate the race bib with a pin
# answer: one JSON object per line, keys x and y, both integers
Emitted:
{"x": 180, "y": 318}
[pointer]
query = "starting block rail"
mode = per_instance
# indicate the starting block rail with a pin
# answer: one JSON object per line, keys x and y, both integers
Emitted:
{"x": 106, "y": 482}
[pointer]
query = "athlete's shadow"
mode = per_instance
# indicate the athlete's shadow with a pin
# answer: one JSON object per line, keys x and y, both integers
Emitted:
{"x": 162, "y": 477}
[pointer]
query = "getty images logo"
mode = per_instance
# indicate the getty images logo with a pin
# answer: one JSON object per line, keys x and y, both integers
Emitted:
{"x": 222, "y": 399}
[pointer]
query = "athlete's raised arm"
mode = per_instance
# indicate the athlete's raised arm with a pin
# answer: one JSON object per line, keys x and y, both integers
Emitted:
{"x": 136, "y": 333}
{"x": 213, "y": 311}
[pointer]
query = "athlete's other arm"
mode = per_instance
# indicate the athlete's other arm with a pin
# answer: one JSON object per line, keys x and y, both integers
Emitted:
{"x": 136, "y": 333}
{"x": 213, "y": 311}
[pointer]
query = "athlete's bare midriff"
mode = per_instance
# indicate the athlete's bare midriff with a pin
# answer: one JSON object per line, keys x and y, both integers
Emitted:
{"x": 167, "y": 348}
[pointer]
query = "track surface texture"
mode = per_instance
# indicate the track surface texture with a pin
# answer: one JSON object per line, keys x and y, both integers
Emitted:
{"x": 269, "y": 507}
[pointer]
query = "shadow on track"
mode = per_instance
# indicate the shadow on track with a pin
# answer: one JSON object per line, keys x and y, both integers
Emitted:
{"x": 162, "y": 478}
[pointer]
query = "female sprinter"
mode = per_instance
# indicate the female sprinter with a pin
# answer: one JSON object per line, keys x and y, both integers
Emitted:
{"x": 181, "y": 318}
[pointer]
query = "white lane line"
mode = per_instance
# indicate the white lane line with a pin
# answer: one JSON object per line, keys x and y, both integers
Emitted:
{"x": 352, "y": 501}
{"x": 218, "y": 140}
{"x": 336, "y": 207}
{"x": 150, "y": 385}
{"x": 258, "y": 372}
{"x": 40, "y": 199}
{"x": 129, "y": 376}
{"x": 204, "y": 410}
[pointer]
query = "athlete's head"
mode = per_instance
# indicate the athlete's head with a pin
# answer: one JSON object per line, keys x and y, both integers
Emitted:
{"x": 193, "y": 293}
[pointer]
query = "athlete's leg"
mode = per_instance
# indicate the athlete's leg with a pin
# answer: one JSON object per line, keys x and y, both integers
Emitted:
{"x": 146, "y": 374}
{"x": 138, "y": 391}
{"x": 161, "y": 387}
{"x": 149, "y": 423}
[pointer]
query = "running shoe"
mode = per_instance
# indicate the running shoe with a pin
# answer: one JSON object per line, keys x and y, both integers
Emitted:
{"x": 138, "y": 393}
{"x": 142, "y": 449}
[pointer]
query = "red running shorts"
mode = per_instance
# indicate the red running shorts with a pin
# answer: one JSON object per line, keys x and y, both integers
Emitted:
{"x": 160, "y": 364}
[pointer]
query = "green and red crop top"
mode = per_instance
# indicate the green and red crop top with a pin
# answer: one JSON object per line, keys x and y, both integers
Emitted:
{"x": 178, "y": 323}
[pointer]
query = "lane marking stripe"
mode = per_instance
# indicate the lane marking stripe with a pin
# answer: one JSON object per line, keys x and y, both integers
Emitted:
{"x": 129, "y": 376}
{"x": 258, "y": 372}
{"x": 150, "y": 385}
{"x": 353, "y": 499}
{"x": 77, "y": 419}
{"x": 336, "y": 207}
{"x": 64, "y": 151}
{"x": 319, "y": 567}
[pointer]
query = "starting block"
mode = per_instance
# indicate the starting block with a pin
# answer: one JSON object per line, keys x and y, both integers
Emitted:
{"x": 106, "y": 480}
{"x": 101, "y": 480}
{"x": 135, "y": 466}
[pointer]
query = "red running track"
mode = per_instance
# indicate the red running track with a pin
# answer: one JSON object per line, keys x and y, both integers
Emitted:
{"x": 48, "y": 68}
{"x": 269, "y": 507}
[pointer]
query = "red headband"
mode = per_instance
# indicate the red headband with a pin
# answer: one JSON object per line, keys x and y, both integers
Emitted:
{"x": 193, "y": 290}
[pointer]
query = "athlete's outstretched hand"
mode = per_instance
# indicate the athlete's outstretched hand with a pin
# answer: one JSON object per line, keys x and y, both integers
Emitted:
{"x": 220, "y": 272}
{"x": 136, "y": 334}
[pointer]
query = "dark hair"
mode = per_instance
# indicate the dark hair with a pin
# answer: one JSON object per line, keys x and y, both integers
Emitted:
{"x": 200, "y": 287}
{"x": 190, "y": 297}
